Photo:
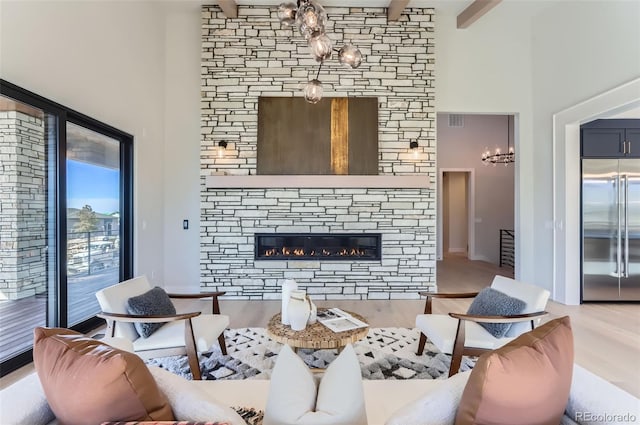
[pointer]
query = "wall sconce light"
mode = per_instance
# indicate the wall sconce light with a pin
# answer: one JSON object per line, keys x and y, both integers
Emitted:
{"x": 413, "y": 147}
{"x": 222, "y": 146}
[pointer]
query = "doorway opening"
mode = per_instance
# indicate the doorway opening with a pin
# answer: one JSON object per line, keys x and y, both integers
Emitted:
{"x": 457, "y": 222}
{"x": 476, "y": 198}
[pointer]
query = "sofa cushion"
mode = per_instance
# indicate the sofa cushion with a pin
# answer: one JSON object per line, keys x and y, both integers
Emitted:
{"x": 595, "y": 401}
{"x": 566, "y": 420}
{"x": 87, "y": 381}
{"x": 24, "y": 402}
{"x": 525, "y": 382}
{"x": 435, "y": 407}
{"x": 490, "y": 302}
{"x": 294, "y": 397}
{"x": 153, "y": 302}
{"x": 189, "y": 402}
{"x": 165, "y": 423}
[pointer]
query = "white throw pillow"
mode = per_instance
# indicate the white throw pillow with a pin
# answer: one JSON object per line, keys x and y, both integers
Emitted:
{"x": 436, "y": 407}
{"x": 190, "y": 403}
{"x": 295, "y": 398}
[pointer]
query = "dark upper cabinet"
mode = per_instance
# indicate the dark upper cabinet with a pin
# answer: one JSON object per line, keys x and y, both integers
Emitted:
{"x": 633, "y": 137}
{"x": 616, "y": 138}
{"x": 602, "y": 143}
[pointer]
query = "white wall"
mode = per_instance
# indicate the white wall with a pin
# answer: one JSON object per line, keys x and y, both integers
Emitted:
{"x": 487, "y": 69}
{"x": 182, "y": 148}
{"x": 571, "y": 51}
{"x": 106, "y": 60}
{"x": 461, "y": 148}
{"x": 599, "y": 52}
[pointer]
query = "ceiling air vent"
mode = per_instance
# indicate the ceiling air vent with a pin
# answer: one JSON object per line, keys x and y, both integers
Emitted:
{"x": 456, "y": 120}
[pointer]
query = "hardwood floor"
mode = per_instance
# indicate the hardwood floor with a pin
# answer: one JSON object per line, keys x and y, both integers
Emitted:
{"x": 606, "y": 335}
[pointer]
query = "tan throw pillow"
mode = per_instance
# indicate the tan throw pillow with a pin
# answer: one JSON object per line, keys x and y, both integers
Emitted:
{"x": 525, "y": 382}
{"x": 89, "y": 382}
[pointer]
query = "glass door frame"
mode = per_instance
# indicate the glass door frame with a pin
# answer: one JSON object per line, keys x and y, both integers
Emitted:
{"x": 126, "y": 208}
{"x": 56, "y": 313}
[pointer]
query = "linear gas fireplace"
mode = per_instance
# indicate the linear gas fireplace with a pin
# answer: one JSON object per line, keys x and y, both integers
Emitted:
{"x": 318, "y": 246}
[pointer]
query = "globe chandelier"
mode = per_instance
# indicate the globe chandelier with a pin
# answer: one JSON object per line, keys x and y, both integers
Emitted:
{"x": 498, "y": 157}
{"x": 311, "y": 20}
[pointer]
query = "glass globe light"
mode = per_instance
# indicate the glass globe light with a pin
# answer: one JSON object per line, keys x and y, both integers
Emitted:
{"x": 350, "y": 55}
{"x": 287, "y": 13}
{"x": 313, "y": 91}
{"x": 311, "y": 17}
{"x": 320, "y": 46}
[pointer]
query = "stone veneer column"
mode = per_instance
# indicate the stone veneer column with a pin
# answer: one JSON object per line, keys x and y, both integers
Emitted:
{"x": 254, "y": 55}
{"x": 22, "y": 205}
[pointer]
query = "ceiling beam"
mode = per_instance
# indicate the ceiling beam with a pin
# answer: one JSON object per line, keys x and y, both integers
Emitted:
{"x": 229, "y": 8}
{"x": 395, "y": 8}
{"x": 475, "y": 11}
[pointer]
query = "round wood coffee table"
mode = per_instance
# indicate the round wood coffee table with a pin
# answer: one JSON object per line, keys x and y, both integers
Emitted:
{"x": 316, "y": 336}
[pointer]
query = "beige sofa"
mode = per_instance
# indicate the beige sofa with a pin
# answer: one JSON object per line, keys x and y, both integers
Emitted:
{"x": 592, "y": 400}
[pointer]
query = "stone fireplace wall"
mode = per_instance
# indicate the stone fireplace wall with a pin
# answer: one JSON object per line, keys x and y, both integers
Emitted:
{"x": 254, "y": 55}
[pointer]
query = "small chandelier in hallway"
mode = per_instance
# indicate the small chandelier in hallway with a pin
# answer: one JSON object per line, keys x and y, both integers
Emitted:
{"x": 498, "y": 157}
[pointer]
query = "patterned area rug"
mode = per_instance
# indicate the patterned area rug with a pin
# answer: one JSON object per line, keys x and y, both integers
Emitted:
{"x": 386, "y": 353}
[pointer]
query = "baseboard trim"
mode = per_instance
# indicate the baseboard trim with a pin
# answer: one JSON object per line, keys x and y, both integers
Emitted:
{"x": 482, "y": 258}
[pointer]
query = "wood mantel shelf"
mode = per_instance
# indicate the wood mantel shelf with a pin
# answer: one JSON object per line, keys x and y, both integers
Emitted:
{"x": 318, "y": 181}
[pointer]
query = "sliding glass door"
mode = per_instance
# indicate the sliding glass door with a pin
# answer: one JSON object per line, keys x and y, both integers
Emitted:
{"x": 65, "y": 218}
{"x": 28, "y": 278}
{"x": 93, "y": 218}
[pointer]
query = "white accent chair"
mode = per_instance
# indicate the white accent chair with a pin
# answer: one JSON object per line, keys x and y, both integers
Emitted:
{"x": 450, "y": 336}
{"x": 188, "y": 333}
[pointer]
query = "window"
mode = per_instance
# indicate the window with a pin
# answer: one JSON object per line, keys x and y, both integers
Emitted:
{"x": 65, "y": 218}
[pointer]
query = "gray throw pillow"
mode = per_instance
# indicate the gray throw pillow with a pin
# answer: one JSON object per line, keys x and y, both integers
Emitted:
{"x": 153, "y": 302}
{"x": 490, "y": 302}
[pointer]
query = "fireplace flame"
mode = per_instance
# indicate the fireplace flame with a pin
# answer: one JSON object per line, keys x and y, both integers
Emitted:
{"x": 300, "y": 252}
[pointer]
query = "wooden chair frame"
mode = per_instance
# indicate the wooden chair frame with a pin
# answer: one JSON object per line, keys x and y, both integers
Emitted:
{"x": 189, "y": 337}
{"x": 459, "y": 349}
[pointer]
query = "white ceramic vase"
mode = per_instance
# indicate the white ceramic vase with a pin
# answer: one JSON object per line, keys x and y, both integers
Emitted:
{"x": 313, "y": 312}
{"x": 287, "y": 286}
{"x": 298, "y": 310}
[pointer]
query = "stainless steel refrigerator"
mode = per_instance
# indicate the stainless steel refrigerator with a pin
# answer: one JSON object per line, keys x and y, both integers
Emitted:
{"x": 610, "y": 229}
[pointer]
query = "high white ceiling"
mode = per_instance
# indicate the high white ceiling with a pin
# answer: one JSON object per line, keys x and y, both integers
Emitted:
{"x": 525, "y": 8}
{"x": 454, "y": 6}
{"x": 343, "y": 3}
